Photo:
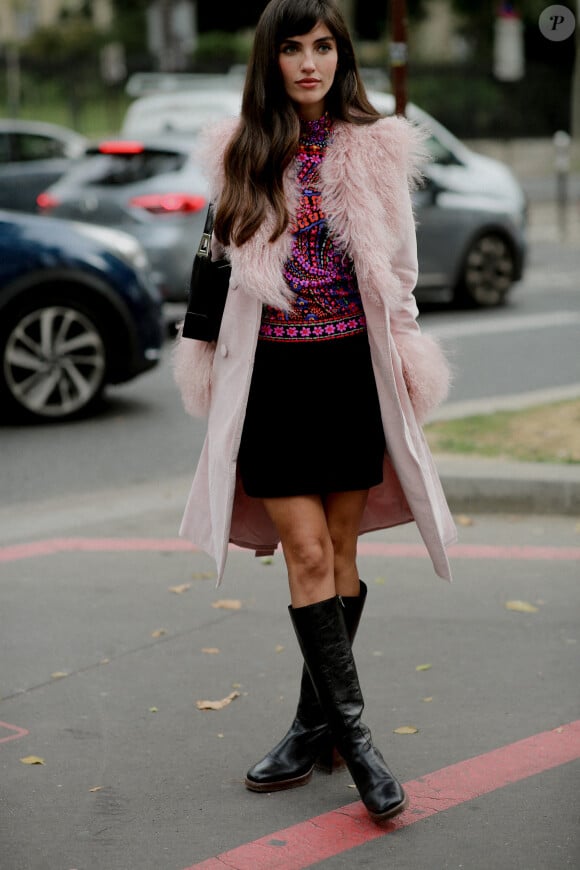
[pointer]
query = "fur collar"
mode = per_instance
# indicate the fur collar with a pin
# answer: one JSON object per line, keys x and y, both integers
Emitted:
{"x": 365, "y": 178}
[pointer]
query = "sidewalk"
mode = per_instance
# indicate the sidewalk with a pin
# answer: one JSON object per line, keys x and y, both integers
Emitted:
{"x": 500, "y": 486}
{"x": 479, "y": 484}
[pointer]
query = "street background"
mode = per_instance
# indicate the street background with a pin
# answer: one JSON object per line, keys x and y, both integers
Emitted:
{"x": 109, "y": 629}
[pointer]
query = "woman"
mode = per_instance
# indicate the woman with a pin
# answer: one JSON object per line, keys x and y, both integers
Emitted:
{"x": 320, "y": 377}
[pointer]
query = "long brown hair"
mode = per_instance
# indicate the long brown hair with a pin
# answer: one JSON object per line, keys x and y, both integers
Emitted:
{"x": 267, "y": 138}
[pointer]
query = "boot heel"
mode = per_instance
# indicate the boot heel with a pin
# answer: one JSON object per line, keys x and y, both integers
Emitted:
{"x": 325, "y": 757}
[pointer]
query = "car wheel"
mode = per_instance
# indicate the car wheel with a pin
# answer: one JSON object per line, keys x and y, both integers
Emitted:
{"x": 54, "y": 360}
{"x": 488, "y": 272}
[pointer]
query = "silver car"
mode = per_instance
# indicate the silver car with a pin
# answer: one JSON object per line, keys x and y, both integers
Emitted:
{"x": 471, "y": 211}
{"x": 32, "y": 156}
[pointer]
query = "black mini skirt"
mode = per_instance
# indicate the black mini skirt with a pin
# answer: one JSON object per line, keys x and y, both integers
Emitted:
{"x": 313, "y": 422}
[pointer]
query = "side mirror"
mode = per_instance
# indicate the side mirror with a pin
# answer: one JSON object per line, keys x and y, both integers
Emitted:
{"x": 428, "y": 192}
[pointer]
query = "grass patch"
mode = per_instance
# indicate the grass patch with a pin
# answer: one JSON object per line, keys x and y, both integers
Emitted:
{"x": 545, "y": 433}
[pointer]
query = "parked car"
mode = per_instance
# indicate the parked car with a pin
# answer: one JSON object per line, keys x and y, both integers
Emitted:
{"x": 471, "y": 211}
{"x": 472, "y": 219}
{"x": 152, "y": 188}
{"x": 78, "y": 311}
{"x": 184, "y": 113}
{"x": 34, "y": 155}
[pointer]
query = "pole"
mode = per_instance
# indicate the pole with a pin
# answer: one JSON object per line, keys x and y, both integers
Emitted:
{"x": 398, "y": 54}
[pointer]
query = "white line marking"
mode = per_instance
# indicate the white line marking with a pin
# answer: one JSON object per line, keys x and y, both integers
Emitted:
{"x": 507, "y": 323}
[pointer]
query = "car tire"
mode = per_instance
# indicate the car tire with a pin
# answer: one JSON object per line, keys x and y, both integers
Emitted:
{"x": 53, "y": 359}
{"x": 487, "y": 273}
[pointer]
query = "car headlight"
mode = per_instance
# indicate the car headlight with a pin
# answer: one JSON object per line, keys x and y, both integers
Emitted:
{"x": 126, "y": 246}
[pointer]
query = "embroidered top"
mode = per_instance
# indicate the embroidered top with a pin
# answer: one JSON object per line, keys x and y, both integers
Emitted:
{"x": 328, "y": 303}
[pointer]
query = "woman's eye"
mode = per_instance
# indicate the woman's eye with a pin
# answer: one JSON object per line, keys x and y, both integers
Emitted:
{"x": 324, "y": 48}
{"x": 288, "y": 49}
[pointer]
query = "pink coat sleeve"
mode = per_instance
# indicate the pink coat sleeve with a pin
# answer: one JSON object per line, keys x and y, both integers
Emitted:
{"x": 425, "y": 368}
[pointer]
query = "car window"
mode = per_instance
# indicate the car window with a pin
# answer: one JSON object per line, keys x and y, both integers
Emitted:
{"x": 31, "y": 146}
{"x": 4, "y": 148}
{"x": 118, "y": 169}
{"x": 439, "y": 152}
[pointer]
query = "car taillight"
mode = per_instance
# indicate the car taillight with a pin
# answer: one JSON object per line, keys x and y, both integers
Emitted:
{"x": 46, "y": 200}
{"x": 121, "y": 147}
{"x": 169, "y": 203}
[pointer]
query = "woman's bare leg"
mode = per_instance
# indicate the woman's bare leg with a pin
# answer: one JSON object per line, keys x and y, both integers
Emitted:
{"x": 319, "y": 539}
{"x": 343, "y": 515}
{"x": 307, "y": 546}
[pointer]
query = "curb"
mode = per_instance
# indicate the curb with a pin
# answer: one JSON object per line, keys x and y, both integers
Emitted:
{"x": 490, "y": 486}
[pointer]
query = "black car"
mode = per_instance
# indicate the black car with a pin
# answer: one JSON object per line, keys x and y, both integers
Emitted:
{"x": 78, "y": 311}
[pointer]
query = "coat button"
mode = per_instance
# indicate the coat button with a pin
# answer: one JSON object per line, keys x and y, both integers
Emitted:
{"x": 224, "y": 350}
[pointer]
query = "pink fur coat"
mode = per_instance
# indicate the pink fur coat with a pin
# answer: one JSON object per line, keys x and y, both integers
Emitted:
{"x": 366, "y": 178}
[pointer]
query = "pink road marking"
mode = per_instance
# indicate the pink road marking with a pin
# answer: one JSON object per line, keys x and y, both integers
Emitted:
{"x": 333, "y": 833}
{"x": 19, "y": 732}
{"x": 52, "y": 546}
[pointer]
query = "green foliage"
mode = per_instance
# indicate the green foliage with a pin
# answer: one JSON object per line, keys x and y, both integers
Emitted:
{"x": 70, "y": 41}
{"x": 130, "y": 25}
{"x": 218, "y": 50}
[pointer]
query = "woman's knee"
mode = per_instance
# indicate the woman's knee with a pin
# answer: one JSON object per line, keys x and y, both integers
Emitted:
{"x": 309, "y": 557}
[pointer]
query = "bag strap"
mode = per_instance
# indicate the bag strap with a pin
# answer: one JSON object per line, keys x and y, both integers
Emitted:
{"x": 204, "y": 248}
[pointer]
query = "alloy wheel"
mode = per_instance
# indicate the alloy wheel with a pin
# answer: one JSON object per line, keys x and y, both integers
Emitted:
{"x": 489, "y": 271}
{"x": 54, "y": 361}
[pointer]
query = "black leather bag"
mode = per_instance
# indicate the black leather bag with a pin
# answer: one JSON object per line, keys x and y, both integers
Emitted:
{"x": 208, "y": 290}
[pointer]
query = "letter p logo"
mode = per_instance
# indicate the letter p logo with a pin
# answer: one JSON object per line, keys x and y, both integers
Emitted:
{"x": 557, "y": 23}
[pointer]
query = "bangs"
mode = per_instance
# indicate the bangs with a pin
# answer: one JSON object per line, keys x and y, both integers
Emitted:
{"x": 300, "y": 17}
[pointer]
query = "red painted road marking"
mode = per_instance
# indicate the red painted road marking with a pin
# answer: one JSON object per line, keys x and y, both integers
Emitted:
{"x": 324, "y": 836}
{"x": 51, "y": 546}
{"x": 19, "y": 732}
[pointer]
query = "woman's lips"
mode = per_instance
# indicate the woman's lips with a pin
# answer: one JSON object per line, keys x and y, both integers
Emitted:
{"x": 308, "y": 83}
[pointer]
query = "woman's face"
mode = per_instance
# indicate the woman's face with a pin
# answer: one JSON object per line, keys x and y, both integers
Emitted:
{"x": 308, "y": 65}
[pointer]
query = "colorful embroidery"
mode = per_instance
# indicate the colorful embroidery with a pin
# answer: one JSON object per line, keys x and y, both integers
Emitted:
{"x": 328, "y": 303}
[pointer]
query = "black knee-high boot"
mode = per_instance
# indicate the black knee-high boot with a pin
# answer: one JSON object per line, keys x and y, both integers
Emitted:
{"x": 308, "y": 742}
{"x": 325, "y": 645}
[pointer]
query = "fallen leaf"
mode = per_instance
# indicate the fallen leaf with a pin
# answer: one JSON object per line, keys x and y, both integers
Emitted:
{"x": 210, "y": 650}
{"x": 351, "y": 785}
{"x": 267, "y": 560}
{"x": 236, "y": 685}
{"x": 559, "y": 730}
{"x": 58, "y": 675}
{"x": 153, "y": 710}
{"x": 426, "y": 700}
{"x": 217, "y": 705}
{"x": 202, "y": 575}
{"x": 521, "y": 606}
{"x": 463, "y": 520}
{"x": 380, "y": 581}
{"x": 97, "y": 788}
{"x": 180, "y": 589}
{"x": 279, "y": 648}
{"x": 423, "y": 667}
{"x": 378, "y": 653}
{"x": 220, "y": 736}
{"x": 227, "y": 604}
{"x": 32, "y": 759}
{"x": 104, "y": 661}
{"x": 406, "y": 729}
{"x": 159, "y": 632}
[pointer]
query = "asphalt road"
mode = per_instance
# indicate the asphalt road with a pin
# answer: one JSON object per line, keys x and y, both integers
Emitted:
{"x": 102, "y": 665}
